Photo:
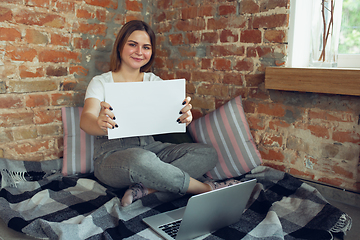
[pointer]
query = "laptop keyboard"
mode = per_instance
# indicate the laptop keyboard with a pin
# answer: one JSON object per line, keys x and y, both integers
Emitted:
{"x": 171, "y": 228}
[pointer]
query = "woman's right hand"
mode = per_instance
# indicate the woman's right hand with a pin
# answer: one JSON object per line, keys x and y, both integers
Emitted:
{"x": 106, "y": 118}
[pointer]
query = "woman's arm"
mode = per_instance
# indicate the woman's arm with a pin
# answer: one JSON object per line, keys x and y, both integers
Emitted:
{"x": 96, "y": 117}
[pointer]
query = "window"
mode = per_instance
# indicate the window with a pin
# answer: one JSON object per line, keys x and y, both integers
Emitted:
{"x": 301, "y": 13}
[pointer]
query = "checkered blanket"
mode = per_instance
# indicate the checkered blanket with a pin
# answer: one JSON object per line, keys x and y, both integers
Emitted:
{"x": 37, "y": 200}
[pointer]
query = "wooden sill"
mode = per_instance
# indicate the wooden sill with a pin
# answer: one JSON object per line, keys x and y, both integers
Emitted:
{"x": 317, "y": 80}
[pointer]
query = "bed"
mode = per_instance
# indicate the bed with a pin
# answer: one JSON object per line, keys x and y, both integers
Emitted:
{"x": 61, "y": 199}
{"x": 36, "y": 199}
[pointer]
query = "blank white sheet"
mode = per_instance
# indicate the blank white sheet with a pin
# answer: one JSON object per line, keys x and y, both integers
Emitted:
{"x": 146, "y": 108}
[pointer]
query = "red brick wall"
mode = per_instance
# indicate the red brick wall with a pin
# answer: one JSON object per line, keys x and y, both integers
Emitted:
{"x": 222, "y": 48}
{"x": 49, "y": 50}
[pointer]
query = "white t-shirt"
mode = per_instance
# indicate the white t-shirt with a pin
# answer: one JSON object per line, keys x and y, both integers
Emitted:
{"x": 96, "y": 87}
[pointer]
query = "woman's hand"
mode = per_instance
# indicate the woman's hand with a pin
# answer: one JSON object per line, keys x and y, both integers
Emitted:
{"x": 106, "y": 117}
{"x": 186, "y": 115}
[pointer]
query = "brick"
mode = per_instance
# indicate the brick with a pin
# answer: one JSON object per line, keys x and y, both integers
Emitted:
{"x": 5, "y": 137}
{"x": 59, "y": 56}
{"x": 40, "y": 19}
{"x": 238, "y": 91}
{"x": 319, "y": 131}
{"x": 331, "y": 181}
{"x": 249, "y": 106}
{"x": 227, "y": 10}
{"x": 259, "y": 51}
{"x": 104, "y": 45}
{"x": 249, "y": 6}
{"x": 226, "y": 22}
{"x": 207, "y": 102}
{"x": 44, "y": 116}
{"x": 2, "y": 87}
{"x": 272, "y": 4}
{"x": 206, "y": 11}
{"x": 274, "y": 165}
{"x": 190, "y": 88}
{"x": 37, "y": 100}
{"x": 93, "y": 29}
{"x": 254, "y": 80}
{"x": 32, "y": 86}
{"x": 256, "y": 122}
{"x": 82, "y": 43}
{"x": 65, "y": 6}
{"x": 297, "y": 144}
{"x": 271, "y": 109}
{"x": 271, "y": 21}
{"x": 164, "y": 4}
{"x": 222, "y": 64}
{"x": 347, "y": 173}
{"x": 133, "y": 5}
{"x": 223, "y": 51}
{"x": 25, "y": 133}
{"x": 301, "y": 173}
{"x": 209, "y": 37}
{"x": 209, "y": 77}
{"x": 48, "y": 130}
{"x": 36, "y": 37}
{"x": 5, "y": 14}
{"x": 10, "y": 101}
{"x": 31, "y": 72}
{"x": 187, "y": 51}
{"x": 346, "y": 136}
{"x": 61, "y": 99}
{"x": 176, "y": 39}
{"x": 78, "y": 70}
{"x": 56, "y": 71}
{"x": 244, "y": 65}
{"x": 33, "y": 146}
{"x": 272, "y": 140}
{"x": 60, "y": 39}
{"x": 68, "y": 85}
{"x": 20, "y": 53}
{"x": 192, "y": 38}
{"x": 190, "y": 25}
{"x": 17, "y": 118}
{"x": 9, "y": 34}
{"x": 233, "y": 79}
{"x": 103, "y": 3}
{"x": 184, "y": 74}
{"x": 38, "y": 3}
{"x": 250, "y": 36}
{"x": 84, "y": 13}
{"x": 330, "y": 116}
{"x": 229, "y": 36}
{"x": 189, "y": 64}
{"x": 189, "y": 13}
{"x": 205, "y": 63}
{"x": 134, "y": 16}
{"x": 104, "y": 15}
{"x": 275, "y": 36}
{"x": 213, "y": 90}
{"x": 276, "y": 124}
{"x": 159, "y": 63}
{"x": 271, "y": 154}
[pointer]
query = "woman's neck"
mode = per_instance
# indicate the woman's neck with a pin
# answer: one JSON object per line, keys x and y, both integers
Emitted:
{"x": 128, "y": 76}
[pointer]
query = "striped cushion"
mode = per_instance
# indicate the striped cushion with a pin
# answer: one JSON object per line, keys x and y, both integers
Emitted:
{"x": 227, "y": 130}
{"x": 78, "y": 145}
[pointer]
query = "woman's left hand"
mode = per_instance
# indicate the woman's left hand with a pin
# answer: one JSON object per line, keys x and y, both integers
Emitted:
{"x": 186, "y": 115}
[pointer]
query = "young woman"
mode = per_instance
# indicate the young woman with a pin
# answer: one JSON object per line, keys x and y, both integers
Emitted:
{"x": 141, "y": 163}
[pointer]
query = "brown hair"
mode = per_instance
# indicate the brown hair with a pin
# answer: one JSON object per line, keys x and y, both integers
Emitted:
{"x": 121, "y": 38}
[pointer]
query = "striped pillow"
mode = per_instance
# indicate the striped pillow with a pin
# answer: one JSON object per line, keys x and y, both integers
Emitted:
{"x": 227, "y": 130}
{"x": 78, "y": 145}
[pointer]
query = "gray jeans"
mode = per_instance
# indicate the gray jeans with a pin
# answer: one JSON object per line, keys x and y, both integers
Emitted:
{"x": 161, "y": 166}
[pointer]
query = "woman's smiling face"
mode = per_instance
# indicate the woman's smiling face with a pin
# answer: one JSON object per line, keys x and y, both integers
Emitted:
{"x": 137, "y": 50}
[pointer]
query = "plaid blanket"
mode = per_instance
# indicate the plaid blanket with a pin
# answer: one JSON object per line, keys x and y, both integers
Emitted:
{"x": 37, "y": 200}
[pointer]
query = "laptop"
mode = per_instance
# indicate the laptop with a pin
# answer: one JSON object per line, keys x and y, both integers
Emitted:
{"x": 204, "y": 213}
